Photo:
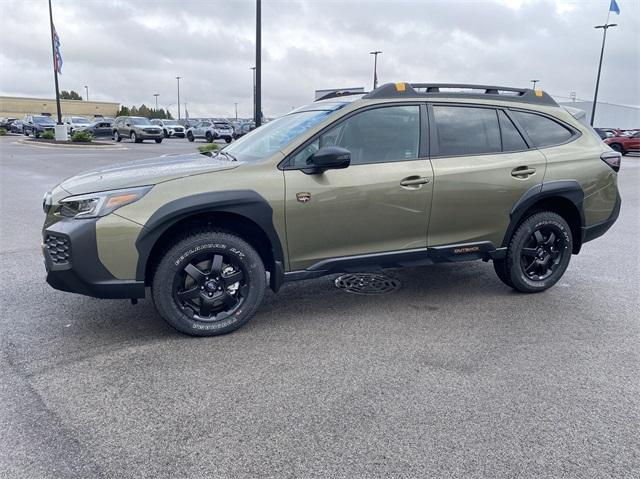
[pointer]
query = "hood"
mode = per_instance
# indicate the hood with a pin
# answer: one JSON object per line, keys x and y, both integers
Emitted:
{"x": 145, "y": 172}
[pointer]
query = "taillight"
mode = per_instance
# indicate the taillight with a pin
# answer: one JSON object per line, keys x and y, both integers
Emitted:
{"x": 613, "y": 159}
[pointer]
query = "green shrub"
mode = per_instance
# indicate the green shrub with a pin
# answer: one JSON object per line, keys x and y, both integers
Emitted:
{"x": 3, "y": 132}
{"x": 48, "y": 135}
{"x": 82, "y": 137}
{"x": 208, "y": 148}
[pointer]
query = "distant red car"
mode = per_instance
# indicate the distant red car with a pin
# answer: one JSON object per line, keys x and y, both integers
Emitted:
{"x": 625, "y": 144}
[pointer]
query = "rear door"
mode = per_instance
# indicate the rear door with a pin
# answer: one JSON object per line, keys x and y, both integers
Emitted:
{"x": 482, "y": 165}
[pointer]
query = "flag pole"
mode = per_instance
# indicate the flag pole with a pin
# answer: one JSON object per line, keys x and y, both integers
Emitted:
{"x": 55, "y": 69}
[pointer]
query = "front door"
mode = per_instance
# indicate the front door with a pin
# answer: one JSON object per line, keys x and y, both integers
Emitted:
{"x": 380, "y": 203}
{"x": 482, "y": 166}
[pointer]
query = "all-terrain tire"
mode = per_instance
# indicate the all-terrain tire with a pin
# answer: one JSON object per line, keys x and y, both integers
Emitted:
{"x": 538, "y": 253}
{"x": 170, "y": 284}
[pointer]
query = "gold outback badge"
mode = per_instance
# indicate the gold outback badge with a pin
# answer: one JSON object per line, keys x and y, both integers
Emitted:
{"x": 303, "y": 197}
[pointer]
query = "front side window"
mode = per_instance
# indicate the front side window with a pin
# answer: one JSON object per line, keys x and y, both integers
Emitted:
{"x": 379, "y": 135}
{"x": 464, "y": 130}
{"x": 543, "y": 131}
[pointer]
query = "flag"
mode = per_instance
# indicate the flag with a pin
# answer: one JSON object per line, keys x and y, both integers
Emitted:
{"x": 614, "y": 7}
{"x": 57, "y": 56}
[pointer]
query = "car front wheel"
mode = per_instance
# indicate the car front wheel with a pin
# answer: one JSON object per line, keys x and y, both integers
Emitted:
{"x": 117, "y": 137}
{"x": 538, "y": 253}
{"x": 190, "y": 136}
{"x": 209, "y": 283}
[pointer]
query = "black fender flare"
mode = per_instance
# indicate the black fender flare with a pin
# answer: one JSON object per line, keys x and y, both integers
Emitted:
{"x": 245, "y": 203}
{"x": 568, "y": 189}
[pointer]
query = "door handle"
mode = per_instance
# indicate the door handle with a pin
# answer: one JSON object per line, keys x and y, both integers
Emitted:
{"x": 414, "y": 181}
{"x": 522, "y": 172}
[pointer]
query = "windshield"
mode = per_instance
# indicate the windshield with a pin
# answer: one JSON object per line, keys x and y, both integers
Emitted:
{"x": 136, "y": 120}
{"x": 43, "y": 120}
{"x": 79, "y": 119}
{"x": 276, "y": 134}
{"x": 170, "y": 122}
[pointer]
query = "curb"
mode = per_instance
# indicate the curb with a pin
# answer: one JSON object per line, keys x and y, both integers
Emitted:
{"x": 70, "y": 146}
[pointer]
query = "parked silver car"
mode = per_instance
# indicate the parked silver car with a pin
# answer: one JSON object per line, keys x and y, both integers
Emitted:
{"x": 211, "y": 130}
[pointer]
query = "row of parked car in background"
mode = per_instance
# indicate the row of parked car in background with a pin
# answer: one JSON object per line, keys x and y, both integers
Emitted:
{"x": 135, "y": 128}
{"x": 624, "y": 141}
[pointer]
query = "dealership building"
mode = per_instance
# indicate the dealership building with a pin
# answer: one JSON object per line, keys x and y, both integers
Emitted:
{"x": 18, "y": 107}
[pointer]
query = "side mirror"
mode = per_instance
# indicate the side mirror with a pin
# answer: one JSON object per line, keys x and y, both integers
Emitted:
{"x": 127, "y": 124}
{"x": 328, "y": 158}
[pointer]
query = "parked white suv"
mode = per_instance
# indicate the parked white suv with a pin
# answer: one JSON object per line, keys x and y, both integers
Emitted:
{"x": 211, "y": 130}
{"x": 170, "y": 128}
{"x": 76, "y": 123}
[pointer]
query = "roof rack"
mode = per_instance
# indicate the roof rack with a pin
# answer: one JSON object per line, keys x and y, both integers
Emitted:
{"x": 448, "y": 90}
{"x": 339, "y": 93}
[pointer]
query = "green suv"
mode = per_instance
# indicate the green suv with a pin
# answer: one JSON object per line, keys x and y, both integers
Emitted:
{"x": 405, "y": 175}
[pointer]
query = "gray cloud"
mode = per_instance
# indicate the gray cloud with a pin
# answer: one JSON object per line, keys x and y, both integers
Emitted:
{"x": 126, "y": 51}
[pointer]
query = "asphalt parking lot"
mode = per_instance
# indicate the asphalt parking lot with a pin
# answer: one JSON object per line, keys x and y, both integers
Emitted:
{"x": 453, "y": 375}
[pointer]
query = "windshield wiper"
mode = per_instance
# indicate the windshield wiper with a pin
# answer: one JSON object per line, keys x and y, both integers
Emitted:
{"x": 228, "y": 155}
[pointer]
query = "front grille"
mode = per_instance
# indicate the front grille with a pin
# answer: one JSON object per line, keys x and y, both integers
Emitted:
{"x": 58, "y": 247}
{"x": 151, "y": 130}
{"x": 178, "y": 130}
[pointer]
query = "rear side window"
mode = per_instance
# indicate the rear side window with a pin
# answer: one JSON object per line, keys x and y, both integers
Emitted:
{"x": 511, "y": 138}
{"x": 466, "y": 131}
{"x": 542, "y": 130}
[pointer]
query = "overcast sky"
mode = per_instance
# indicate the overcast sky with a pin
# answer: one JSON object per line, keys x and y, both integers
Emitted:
{"x": 128, "y": 50}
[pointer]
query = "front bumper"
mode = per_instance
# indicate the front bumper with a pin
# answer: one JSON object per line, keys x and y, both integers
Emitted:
{"x": 72, "y": 263}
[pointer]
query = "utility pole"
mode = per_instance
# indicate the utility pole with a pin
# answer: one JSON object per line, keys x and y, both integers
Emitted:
{"x": 533, "y": 82}
{"x": 375, "y": 67}
{"x": 55, "y": 64}
{"x": 258, "y": 68}
{"x": 156, "y": 95}
{"x": 178, "y": 78}
{"x": 254, "y": 92}
{"x": 87, "y": 90}
{"x": 604, "y": 27}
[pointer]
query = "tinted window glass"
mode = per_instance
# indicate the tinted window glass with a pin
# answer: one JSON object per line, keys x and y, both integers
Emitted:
{"x": 466, "y": 131}
{"x": 373, "y": 136}
{"x": 542, "y": 130}
{"x": 511, "y": 138}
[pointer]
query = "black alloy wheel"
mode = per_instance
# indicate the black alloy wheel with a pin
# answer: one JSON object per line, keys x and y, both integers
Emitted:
{"x": 542, "y": 254}
{"x": 211, "y": 287}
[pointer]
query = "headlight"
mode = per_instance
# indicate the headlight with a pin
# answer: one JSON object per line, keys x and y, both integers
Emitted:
{"x": 93, "y": 205}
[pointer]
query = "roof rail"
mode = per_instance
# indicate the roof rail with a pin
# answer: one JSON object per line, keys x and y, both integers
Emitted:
{"x": 448, "y": 90}
{"x": 339, "y": 93}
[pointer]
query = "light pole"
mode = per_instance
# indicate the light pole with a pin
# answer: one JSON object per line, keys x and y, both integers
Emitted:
{"x": 533, "y": 82}
{"x": 178, "y": 78}
{"x": 375, "y": 67}
{"x": 258, "y": 71}
{"x": 604, "y": 27}
{"x": 156, "y": 95}
{"x": 236, "y": 105}
{"x": 87, "y": 90}
{"x": 254, "y": 92}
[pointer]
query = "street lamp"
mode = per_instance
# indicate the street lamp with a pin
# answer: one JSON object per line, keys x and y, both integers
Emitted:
{"x": 254, "y": 92}
{"x": 236, "y": 105}
{"x": 375, "y": 67}
{"x": 178, "y": 78}
{"x": 604, "y": 27}
{"x": 533, "y": 82}
{"x": 87, "y": 90}
{"x": 156, "y": 95}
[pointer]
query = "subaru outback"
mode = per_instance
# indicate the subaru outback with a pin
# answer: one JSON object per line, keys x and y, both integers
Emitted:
{"x": 405, "y": 175}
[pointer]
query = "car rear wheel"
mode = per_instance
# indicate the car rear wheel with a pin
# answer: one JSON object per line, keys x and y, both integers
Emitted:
{"x": 209, "y": 283}
{"x": 158, "y": 140}
{"x": 538, "y": 253}
{"x": 190, "y": 136}
{"x": 617, "y": 147}
{"x": 228, "y": 139}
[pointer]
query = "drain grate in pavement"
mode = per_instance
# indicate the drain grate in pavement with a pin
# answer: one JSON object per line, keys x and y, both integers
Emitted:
{"x": 367, "y": 283}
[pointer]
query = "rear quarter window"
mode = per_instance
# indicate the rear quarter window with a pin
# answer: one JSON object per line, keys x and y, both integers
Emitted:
{"x": 543, "y": 131}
